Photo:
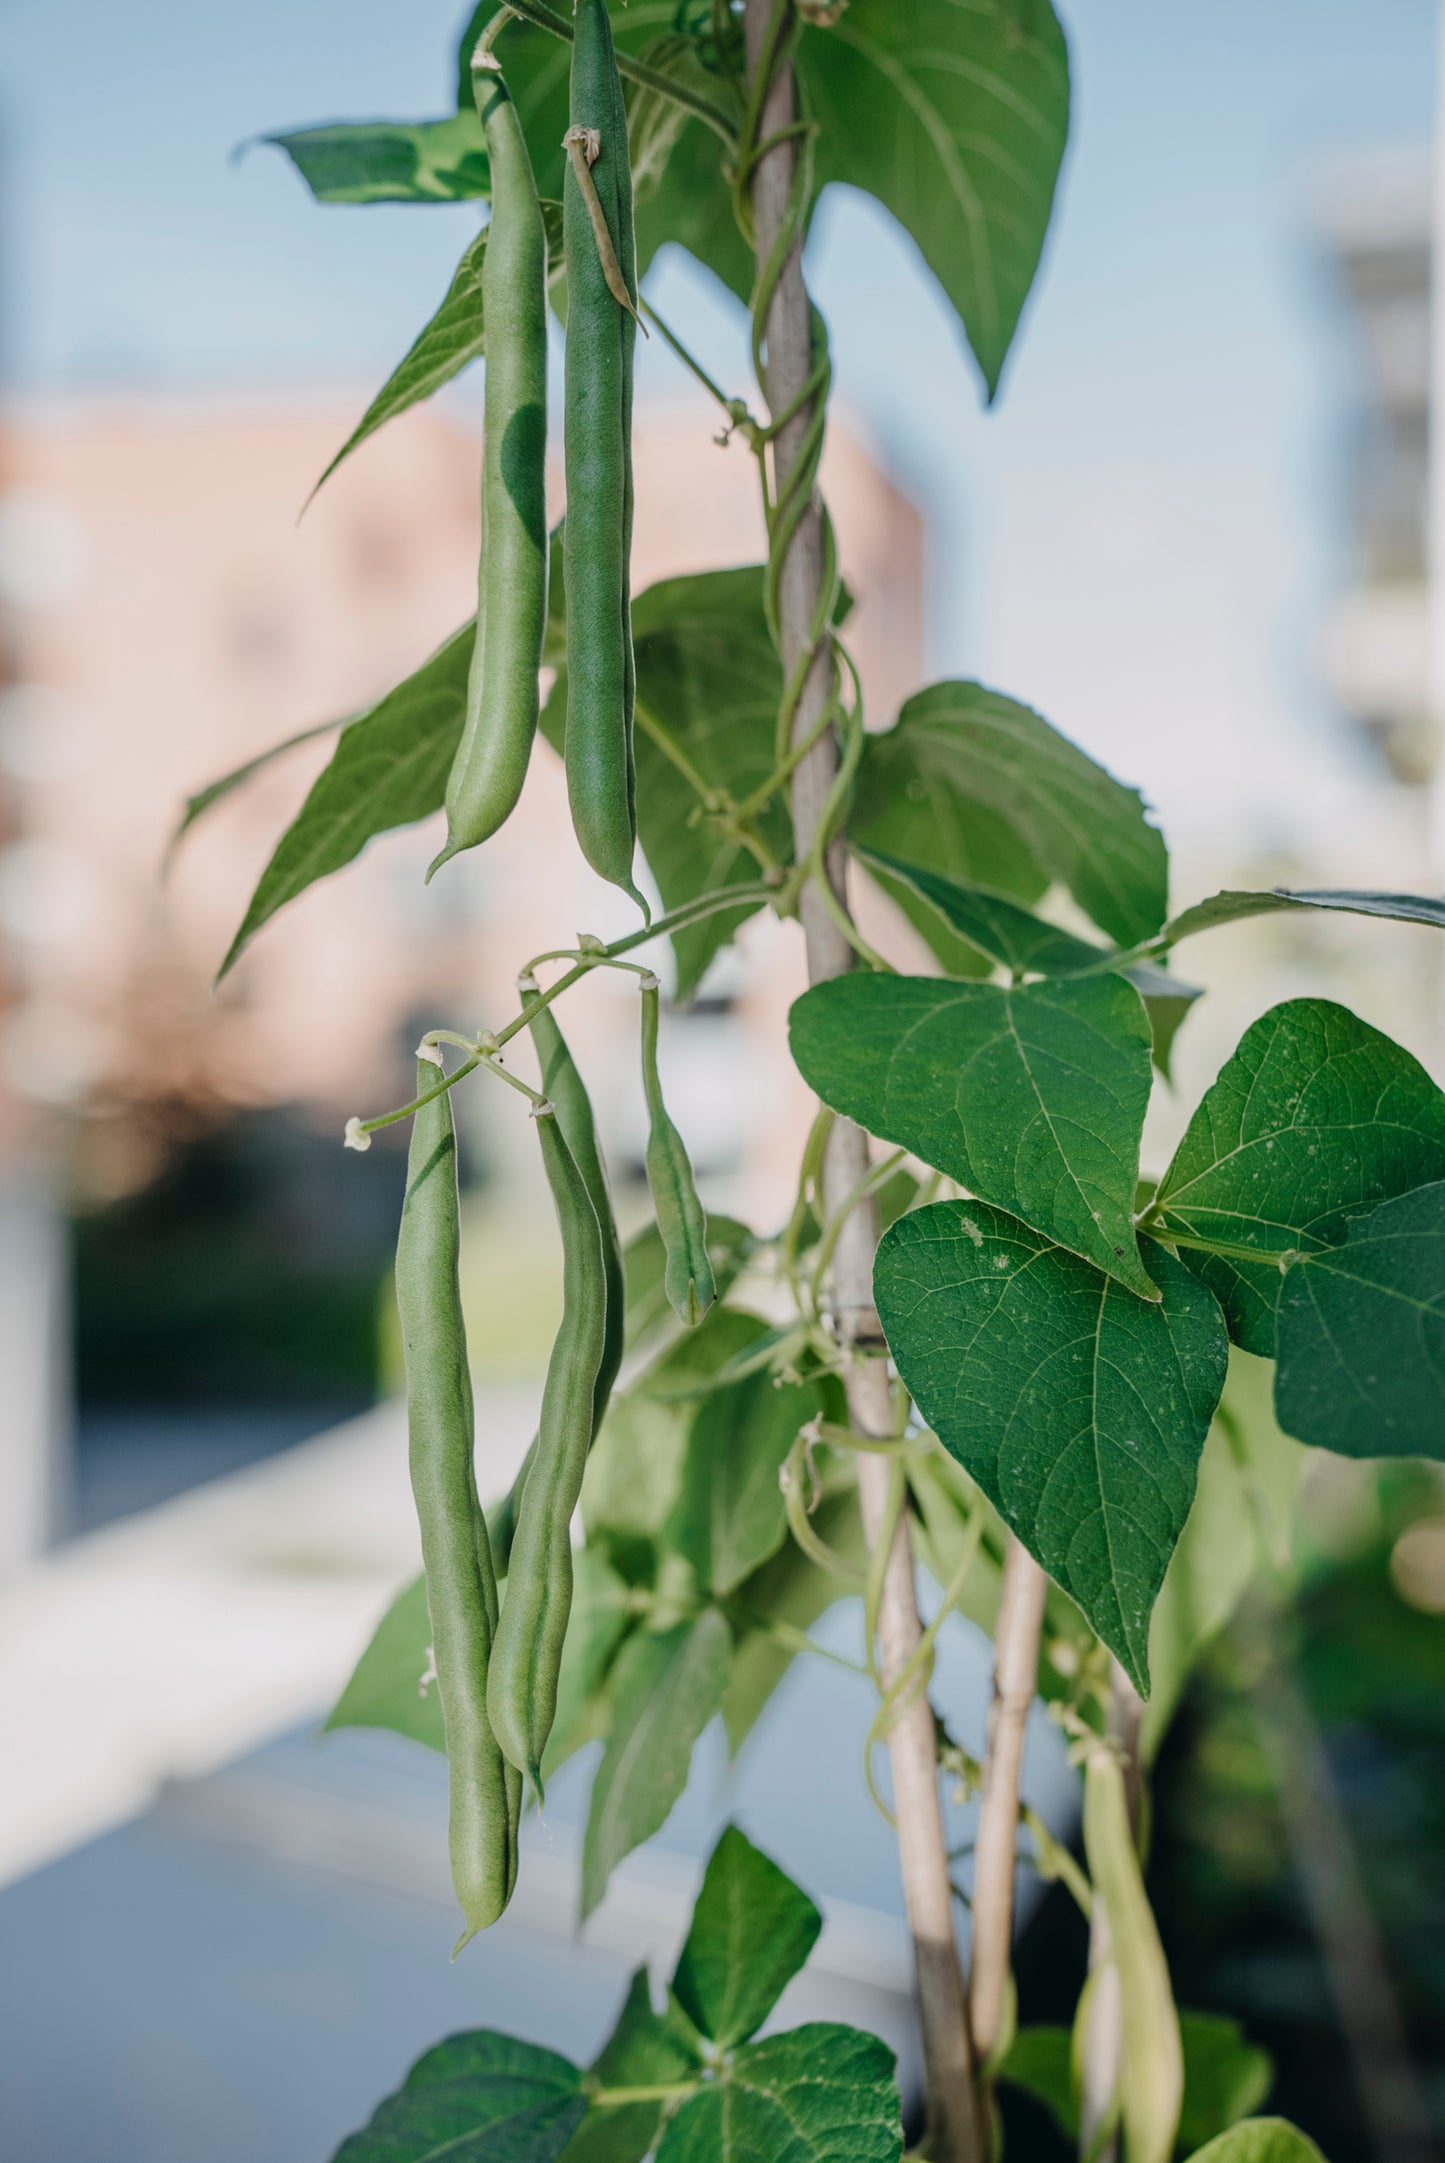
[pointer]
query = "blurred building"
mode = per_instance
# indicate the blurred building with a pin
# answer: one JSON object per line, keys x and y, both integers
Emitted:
{"x": 1374, "y": 218}
{"x": 166, "y": 618}
{"x": 170, "y": 620}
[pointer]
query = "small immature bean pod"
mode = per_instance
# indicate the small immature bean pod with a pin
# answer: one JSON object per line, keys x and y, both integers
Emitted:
{"x": 597, "y": 536}
{"x": 461, "y": 1583}
{"x": 502, "y": 690}
{"x": 527, "y": 1656}
{"x": 564, "y": 1087}
{"x": 688, "y": 1281}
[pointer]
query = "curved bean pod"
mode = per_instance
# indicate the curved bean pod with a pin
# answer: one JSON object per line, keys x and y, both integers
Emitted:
{"x": 689, "y": 1282}
{"x": 527, "y": 1655}
{"x": 564, "y": 1087}
{"x": 461, "y": 1584}
{"x": 502, "y": 688}
{"x": 597, "y": 536}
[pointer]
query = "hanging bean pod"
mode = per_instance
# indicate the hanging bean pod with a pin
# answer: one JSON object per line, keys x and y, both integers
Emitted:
{"x": 502, "y": 688}
{"x": 461, "y": 1583}
{"x": 688, "y": 1281}
{"x": 527, "y": 1656}
{"x": 600, "y": 252}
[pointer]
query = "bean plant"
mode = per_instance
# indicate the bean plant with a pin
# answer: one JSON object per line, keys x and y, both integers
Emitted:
{"x": 990, "y": 1345}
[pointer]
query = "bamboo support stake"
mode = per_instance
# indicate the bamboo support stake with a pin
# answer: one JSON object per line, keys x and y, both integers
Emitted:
{"x": 955, "y": 2134}
{"x": 1015, "y": 1678}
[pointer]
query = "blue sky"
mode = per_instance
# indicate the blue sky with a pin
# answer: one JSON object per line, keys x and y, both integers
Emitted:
{"x": 1138, "y": 538}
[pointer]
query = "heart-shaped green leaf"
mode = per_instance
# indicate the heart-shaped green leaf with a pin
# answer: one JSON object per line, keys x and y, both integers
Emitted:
{"x": 947, "y": 911}
{"x": 1080, "y": 1410}
{"x": 817, "y": 2094}
{"x": 1032, "y": 1098}
{"x": 645, "y": 2050}
{"x": 752, "y": 1930}
{"x": 1361, "y": 1366}
{"x": 955, "y": 118}
{"x": 480, "y": 2093}
{"x": 973, "y": 784}
{"x": 1314, "y": 1116}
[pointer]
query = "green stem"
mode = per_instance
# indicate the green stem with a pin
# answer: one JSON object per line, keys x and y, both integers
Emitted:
{"x": 665, "y": 2092}
{"x": 715, "y": 806}
{"x": 1227, "y": 1250}
{"x": 734, "y": 408}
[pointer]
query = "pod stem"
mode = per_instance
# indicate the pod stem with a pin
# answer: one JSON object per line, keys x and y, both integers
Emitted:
{"x": 584, "y": 147}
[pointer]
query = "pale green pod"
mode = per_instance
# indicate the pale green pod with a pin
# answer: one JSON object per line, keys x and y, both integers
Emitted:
{"x": 485, "y": 1795}
{"x": 689, "y": 1282}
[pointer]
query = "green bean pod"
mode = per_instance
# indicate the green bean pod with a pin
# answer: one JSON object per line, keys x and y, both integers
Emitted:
{"x": 461, "y": 1583}
{"x": 527, "y": 1656}
{"x": 688, "y": 1280}
{"x": 563, "y": 1086}
{"x": 1151, "y": 2069}
{"x": 490, "y": 765}
{"x": 597, "y": 537}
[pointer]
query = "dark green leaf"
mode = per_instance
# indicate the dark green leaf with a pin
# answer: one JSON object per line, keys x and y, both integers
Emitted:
{"x": 645, "y": 2050}
{"x": 973, "y": 784}
{"x": 392, "y": 161}
{"x": 214, "y": 791}
{"x": 730, "y": 1516}
{"x": 708, "y": 689}
{"x": 386, "y": 1687}
{"x": 819, "y": 2094}
{"x": 1260, "y": 2140}
{"x": 1002, "y": 931}
{"x": 1314, "y": 1117}
{"x": 1361, "y": 1365}
{"x": 1079, "y": 1409}
{"x": 729, "y": 1245}
{"x": 752, "y": 1930}
{"x": 956, "y": 119}
{"x": 1040, "y": 2061}
{"x": 389, "y": 768}
{"x": 455, "y": 336}
{"x": 1230, "y": 906}
{"x": 480, "y": 2094}
{"x": 1225, "y": 2077}
{"x": 1033, "y": 1098}
{"x": 664, "y": 1690}
{"x": 998, "y": 928}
